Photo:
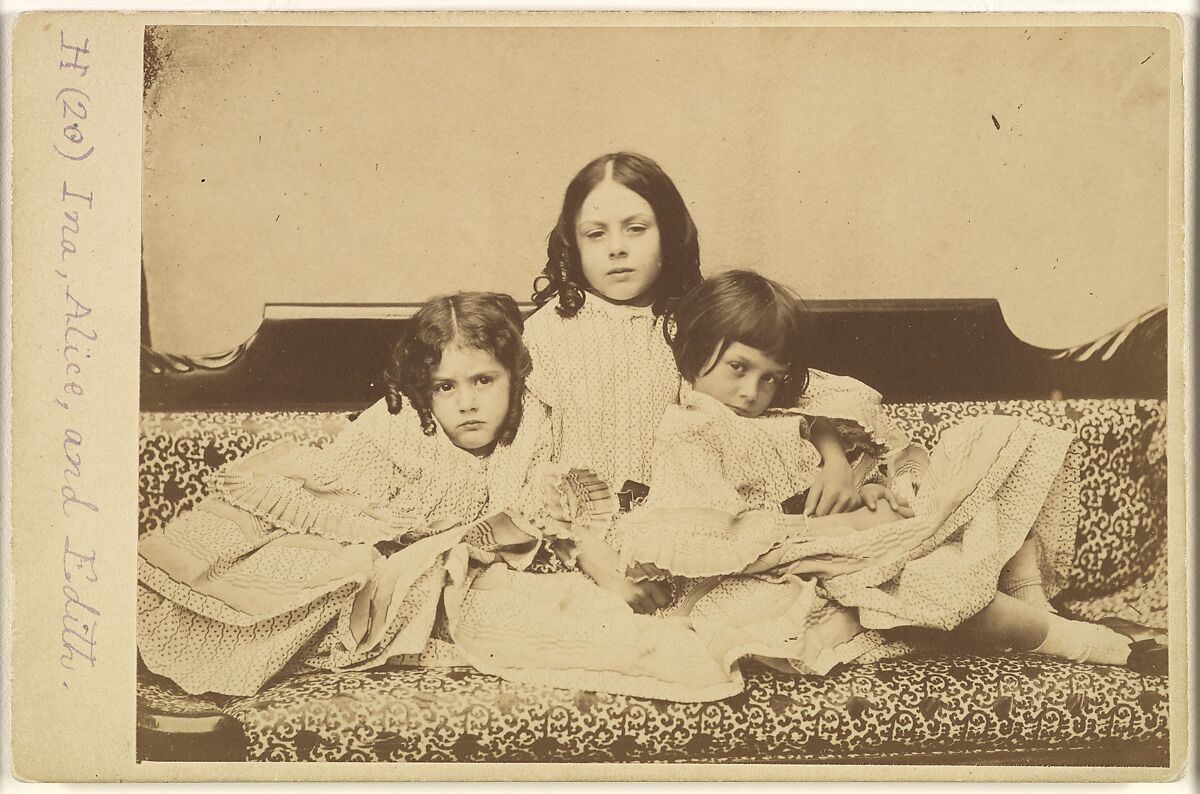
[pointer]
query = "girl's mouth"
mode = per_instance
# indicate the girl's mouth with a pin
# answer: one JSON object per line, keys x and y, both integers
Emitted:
{"x": 620, "y": 271}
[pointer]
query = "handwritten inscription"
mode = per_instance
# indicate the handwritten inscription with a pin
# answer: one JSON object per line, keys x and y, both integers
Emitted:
{"x": 79, "y": 617}
{"x": 79, "y": 335}
{"x": 74, "y": 109}
{"x": 73, "y": 355}
{"x": 70, "y": 226}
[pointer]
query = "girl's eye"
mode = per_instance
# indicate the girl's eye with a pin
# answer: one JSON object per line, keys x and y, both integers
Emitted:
{"x": 771, "y": 379}
{"x": 484, "y": 380}
{"x": 443, "y": 387}
{"x": 595, "y": 234}
{"x": 737, "y": 367}
{"x": 637, "y": 228}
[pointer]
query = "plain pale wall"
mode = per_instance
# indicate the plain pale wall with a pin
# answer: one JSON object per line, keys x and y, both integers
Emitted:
{"x": 391, "y": 164}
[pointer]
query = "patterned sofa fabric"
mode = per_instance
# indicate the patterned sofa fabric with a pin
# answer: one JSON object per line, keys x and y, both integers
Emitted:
{"x": 177, "y": 451}
{"x": 1123, "y": 482}
{"x": 938, "y": 706}
{"x": 947, "y": 706}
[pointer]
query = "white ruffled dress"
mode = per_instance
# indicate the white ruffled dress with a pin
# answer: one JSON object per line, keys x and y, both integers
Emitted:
{"x": 751, "y": 581}
{"x": 278, "y": 569}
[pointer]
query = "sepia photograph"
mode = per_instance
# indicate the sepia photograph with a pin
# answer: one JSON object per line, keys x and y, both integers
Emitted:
{"x": 699, "y": 392}
{"x": 640, "y": 394}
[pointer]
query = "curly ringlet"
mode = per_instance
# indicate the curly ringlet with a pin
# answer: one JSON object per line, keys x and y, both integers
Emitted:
{"x": 563, "y": 274}
{"x": 746, "y": 307}
{"x": 488, "y": 321}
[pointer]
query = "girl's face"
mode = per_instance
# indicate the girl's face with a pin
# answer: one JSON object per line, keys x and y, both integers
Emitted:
{"x": 743, "y": 378}
{"x": 470, "y": 397}
{"x": 619, "y": 247}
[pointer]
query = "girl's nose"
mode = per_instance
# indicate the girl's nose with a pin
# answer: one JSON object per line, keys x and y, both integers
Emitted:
{"x": 466, "y": 401}
{"x": 616, "y": 246}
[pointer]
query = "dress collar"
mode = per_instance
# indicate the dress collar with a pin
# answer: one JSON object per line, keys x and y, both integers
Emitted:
{"x": 690, "y": 398}
{"x": 698, "y": 401}
{"x": 459, "y": 455}
{"x": 595, "y": 304}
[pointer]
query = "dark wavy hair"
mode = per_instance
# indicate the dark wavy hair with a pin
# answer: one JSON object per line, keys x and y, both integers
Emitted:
{"x": 742, "y": 306}
{"x": 563, "y": 274}
{"x": 487, "y": 321}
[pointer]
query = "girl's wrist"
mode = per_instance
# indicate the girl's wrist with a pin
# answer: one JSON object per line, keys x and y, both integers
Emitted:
{"x": 835, "y": 460}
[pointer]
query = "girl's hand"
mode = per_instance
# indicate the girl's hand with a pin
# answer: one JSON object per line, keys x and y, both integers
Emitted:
{"x": 643, "y": 597}
{"x": 908, "y": 470}
{"x": 883, "y": 513}
{"x": 904, "y": 489}
{"x": 832, "y": 490}
{"x": 601, "y": 562}
{"x": 874, "y": 493}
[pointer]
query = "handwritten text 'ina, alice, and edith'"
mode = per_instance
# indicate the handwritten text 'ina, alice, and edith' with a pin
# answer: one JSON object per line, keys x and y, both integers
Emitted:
{"x": 78, "y": 566}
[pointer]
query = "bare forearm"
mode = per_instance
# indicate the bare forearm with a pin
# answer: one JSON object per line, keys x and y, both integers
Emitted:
{"x": 597, "y": 558}
{"x": 827, "y": 441}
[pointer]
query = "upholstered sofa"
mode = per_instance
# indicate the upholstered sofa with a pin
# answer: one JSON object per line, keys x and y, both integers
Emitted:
{"x": 309, "y": 369}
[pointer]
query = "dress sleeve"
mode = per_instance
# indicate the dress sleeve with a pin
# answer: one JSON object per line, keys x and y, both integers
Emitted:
{"x": 526, "y": 486}
{"x": 694, "y": 523}
{"x": 565, "y": 504}
{"x": 500, "y": 538}
{"x": 543, "y": 380}
{"x": 856, "y": 412}
{"x": 867, "y": 471}
{"x": 341, "y": 492}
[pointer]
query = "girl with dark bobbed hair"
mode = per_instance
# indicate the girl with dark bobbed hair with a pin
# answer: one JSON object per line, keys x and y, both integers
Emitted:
{"x": 980, "y": 548}
{"x": 742, "y": 307}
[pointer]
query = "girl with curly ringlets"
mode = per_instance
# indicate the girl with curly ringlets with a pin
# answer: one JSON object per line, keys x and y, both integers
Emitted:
{"x": 342, "y": 556}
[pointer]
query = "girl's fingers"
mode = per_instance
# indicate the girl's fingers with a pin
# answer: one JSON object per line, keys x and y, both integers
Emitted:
{"x": 892, "y": 500}
{"x": 810, "y": 501}
{"x": 903, "y": 488}
{"x": 868, "y": 498}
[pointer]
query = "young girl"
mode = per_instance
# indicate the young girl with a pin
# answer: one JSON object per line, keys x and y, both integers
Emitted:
{"x": 622, "y": 253}
{"x": 997, "y": 508}
{"x": 282, "y": 565}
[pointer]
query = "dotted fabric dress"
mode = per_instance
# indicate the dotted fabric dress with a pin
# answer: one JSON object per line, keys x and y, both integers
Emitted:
{"x": 811, "y": 601}
{"x": 714, "y": 509}
{"x": 278, "y": 568}
{"x": 607, "y": 374}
